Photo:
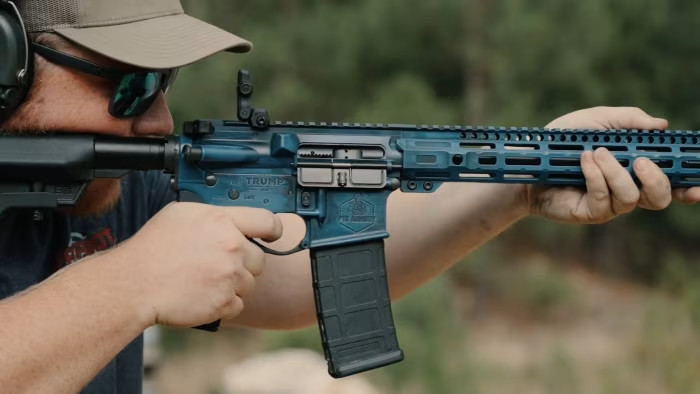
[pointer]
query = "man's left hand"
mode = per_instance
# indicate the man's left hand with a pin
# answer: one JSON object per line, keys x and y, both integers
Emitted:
{"x": 610, "y": 190}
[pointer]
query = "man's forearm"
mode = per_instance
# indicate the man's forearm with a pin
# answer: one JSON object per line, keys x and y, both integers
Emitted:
{"x": 428, "y": 234}
{"x": 58, "y": 335}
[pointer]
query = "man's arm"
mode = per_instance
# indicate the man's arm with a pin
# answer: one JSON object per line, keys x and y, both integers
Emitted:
{"x": 431, "y": 232}
{"x": 56, "y": 336}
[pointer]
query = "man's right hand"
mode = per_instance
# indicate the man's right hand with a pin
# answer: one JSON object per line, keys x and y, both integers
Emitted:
{"x": 192, "y": 263}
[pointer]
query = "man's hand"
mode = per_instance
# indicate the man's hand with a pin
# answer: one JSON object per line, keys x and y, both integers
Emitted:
{"x": 610, "y": 190}
{"x": 192, "y": 263}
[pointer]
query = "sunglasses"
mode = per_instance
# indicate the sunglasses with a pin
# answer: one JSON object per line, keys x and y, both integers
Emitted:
{"x": 135, "y": 91}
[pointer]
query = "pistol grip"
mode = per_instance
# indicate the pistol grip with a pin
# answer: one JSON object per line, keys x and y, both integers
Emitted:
{"x": 353, "y": 307}
{"x": 211, "y": 327}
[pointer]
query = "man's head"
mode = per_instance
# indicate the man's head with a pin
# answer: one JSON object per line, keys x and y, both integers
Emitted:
{"x": 139, "y": 42}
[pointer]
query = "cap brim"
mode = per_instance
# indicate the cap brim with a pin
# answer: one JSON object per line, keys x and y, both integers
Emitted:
{"x": 157, "y": 43}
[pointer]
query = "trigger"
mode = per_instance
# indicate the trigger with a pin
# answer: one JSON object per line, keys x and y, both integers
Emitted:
{"x": 267, "y": 250}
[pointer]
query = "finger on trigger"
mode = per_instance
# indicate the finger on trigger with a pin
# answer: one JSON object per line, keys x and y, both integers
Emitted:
{"x": 257, "y": 223}
{"x": 656, "y": 188}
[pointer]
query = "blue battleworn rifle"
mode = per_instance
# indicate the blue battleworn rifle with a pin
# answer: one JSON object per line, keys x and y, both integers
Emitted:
{"x": 338, "y": 178}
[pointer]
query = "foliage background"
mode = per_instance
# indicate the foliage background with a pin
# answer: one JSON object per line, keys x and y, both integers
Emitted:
{"x": 498, "y": 62}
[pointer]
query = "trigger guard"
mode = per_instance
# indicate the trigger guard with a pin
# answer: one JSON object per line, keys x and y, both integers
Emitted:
{"x": 267, "y": 250}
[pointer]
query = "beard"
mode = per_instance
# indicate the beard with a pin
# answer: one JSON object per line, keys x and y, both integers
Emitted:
{"x": 100, "y": 196}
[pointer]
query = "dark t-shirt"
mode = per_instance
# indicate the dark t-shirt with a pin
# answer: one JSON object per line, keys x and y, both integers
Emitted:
{"x": 30, "y": 251}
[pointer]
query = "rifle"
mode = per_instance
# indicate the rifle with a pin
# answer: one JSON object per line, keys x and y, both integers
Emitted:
{"x": 337, "y": 177}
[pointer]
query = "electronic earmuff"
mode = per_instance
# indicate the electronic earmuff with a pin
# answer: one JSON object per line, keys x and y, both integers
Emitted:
{"x": 16, "y": 60}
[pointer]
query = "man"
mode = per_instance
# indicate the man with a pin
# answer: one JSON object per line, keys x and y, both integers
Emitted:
{"x": 187, "y": 264}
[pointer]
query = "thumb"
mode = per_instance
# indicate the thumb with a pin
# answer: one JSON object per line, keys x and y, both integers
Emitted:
{"x": 631, "y": 118}
{"x": 609, "y": 118}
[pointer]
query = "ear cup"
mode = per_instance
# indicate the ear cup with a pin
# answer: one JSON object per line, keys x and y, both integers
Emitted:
{"x": 16, "y": 61}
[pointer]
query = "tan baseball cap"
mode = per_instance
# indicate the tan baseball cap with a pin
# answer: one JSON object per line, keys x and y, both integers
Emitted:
{"x": 153, "y": 34}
